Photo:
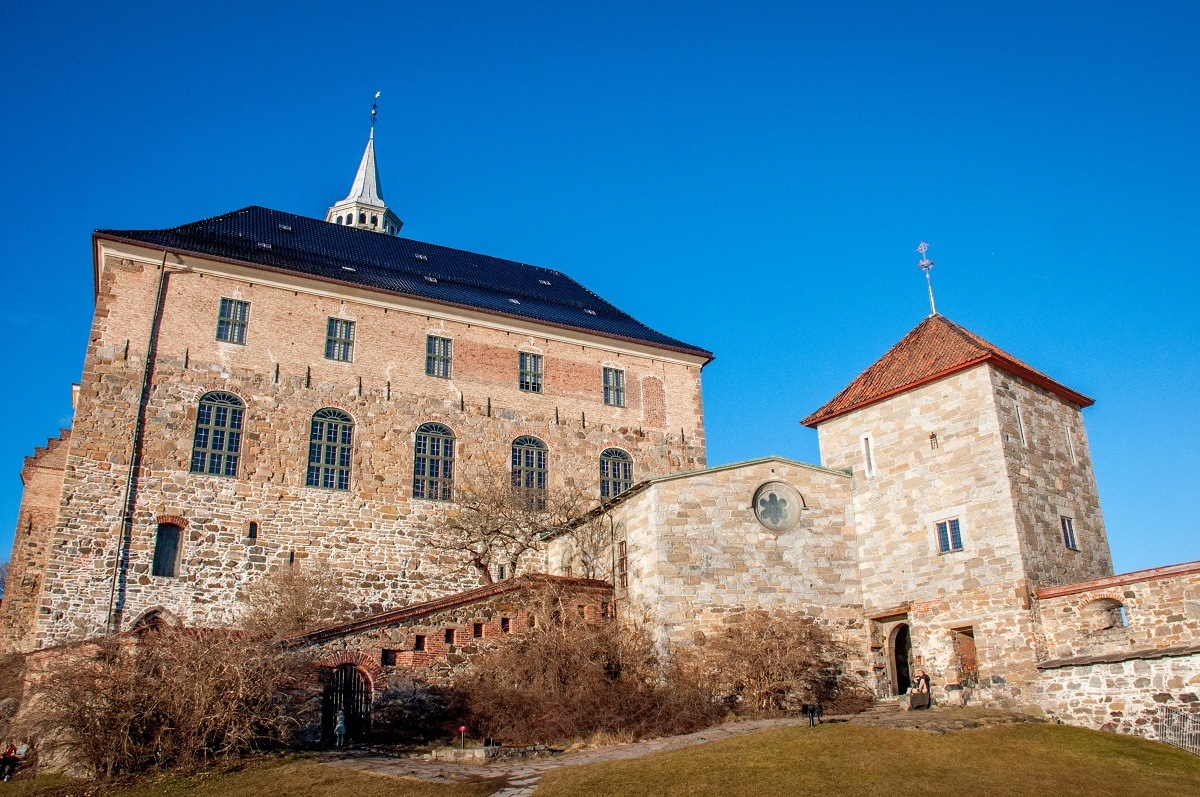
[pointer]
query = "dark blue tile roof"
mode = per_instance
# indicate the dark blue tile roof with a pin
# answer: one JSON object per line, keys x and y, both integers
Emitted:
{"x": 316, "y": 248}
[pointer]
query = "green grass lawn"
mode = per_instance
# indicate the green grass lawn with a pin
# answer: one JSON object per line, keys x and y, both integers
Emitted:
{"x": 268, "y": 778}
{"x": 837, "y": 760}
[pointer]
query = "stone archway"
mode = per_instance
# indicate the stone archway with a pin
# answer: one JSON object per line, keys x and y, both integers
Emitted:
{"x": 348, "y": 692}
{"x": 900, "y": 661}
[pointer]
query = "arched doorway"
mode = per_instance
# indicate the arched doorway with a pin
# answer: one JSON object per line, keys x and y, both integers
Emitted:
{"x": 349, "y": 691}
{"x": 901, "y": 660}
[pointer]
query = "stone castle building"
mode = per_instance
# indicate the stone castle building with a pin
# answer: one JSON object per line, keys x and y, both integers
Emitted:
{"x": 262, "y": 389}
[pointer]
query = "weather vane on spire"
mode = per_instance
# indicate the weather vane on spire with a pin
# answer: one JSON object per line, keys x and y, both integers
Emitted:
{"x": 375, "y": 110}
{"x": 926, "y": 265}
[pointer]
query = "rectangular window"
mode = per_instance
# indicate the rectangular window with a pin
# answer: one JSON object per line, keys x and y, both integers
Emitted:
{"x": 505, "y": 625}
{"x": 419, "y": 643}
{"x": 1021, "y": 426}
{"x": 501, "y": 572}
{"x": 622, "y": 565}
{"x": 614, "y": 387}
{"x": 1068, "y": 532}
{"x": 339, "y": 340}
{"x": 868, "y": 456}
{"x": 449, "y": 636}
{"x": 387, "y": 658}
{"x": 949, "y": 535}
{"x": 166, "y": 551}
{"x": 231, "y": 321}
{"x": 477, "y": 631}
{"x": 1070, "y": 443}
{"x": 531, "y": 372}
{"x": 439, "y": 352}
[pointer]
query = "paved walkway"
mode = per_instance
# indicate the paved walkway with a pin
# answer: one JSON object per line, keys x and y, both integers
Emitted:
{"x": 521, "y": 776}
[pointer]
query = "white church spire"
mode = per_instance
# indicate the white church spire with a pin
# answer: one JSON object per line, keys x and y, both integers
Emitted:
{"x": 364, "y": 207}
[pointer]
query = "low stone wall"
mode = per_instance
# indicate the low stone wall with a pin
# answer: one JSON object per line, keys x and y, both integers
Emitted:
{"x": 1122, "y": 696}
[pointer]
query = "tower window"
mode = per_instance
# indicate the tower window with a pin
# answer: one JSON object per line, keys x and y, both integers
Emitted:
{"x": 1021, "y": 426}
{"x": 339, "y": 340}
{"x": 949, "y": 535}
{"x": 252, "y": 531}
{"x": 439, "y": 354}
{"x": 374, "y": 221}
{"x": 530, "y": 366}
{"x": 616, "y": 472}
{"x": 362, "y": 218}
{"x": 231, "y": 321}
{"x": 614, "y": 387}
{"x": 622, "y": 564}
{"x": 329, "y": 449}
{"x": 1068, "y": 532}
{"x": 419, "y": 643}
{"x": 218, "y": 435}
{"x": 449, "y": 636}
{"x": 868, "y": 456}
{"x": 433, "y": 463}
{"x": 166, "y": 550}
{"x": 339, "y": 219}
{"x": 1070, "y": 443}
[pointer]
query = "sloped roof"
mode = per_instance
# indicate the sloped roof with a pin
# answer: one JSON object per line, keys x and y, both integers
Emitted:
{"x": 935, "y": 348}
{"x": 367, "y": 187}
{"x": 286, "y": 242}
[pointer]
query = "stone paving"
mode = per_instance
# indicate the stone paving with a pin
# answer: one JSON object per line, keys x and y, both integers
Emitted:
{"x": 520, "y": 776}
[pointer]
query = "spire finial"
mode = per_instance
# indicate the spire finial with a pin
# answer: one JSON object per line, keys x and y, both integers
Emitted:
{"x": 926, "y": 265}
{"x": 374, "y": 112}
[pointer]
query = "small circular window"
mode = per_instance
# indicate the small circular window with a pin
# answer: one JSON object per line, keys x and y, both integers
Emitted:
{"x": 777, "y": 506}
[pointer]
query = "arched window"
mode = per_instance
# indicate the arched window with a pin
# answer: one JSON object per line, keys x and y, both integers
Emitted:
{"x": 433, "y": 463}
{"x": 1105, "y": 613}
{"x": 616, "y": 472}
{"x": 529, "y": 463}
{"x": 218, "y": 434}
{"x": 339, "y": 219}
{"x": 329, "y": 449}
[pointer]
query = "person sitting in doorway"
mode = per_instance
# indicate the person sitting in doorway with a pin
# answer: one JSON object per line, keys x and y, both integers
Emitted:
{"x": 920, "y": 691}
{"x": 8, "y": 761}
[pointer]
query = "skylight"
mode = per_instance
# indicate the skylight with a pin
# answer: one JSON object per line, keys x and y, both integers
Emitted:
{"x": 514, "y": 301}
{"x": 421, "y": 257}
{"x": 431, "y": 280}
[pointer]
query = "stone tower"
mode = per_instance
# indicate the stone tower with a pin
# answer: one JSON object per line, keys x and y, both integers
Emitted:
{"x": 364, "y": 207}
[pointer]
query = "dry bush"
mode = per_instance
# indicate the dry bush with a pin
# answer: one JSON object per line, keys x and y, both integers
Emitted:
{"x": 3, "y": 576}
{"x": 767, "y": 661}
{"x": 570, "y": 679}
{"x": 173, "y": 698}
{"x": 293, "y": 599}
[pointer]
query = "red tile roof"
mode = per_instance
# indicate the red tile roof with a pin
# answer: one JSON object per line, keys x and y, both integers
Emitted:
{"x": 935, "y": 348}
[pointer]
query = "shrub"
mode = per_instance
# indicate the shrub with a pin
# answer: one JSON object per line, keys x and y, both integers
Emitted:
{"x": 568, "y": 678}
{"x": 767, "y": 661}
{"x": 293, "y": 599}
{"x": 170, "y": 699}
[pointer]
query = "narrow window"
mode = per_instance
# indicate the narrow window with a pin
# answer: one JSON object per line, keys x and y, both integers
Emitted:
{"x": 531, "y": 372}
{"x": 616, "y": 472}
{"x": 339, "y": 219}
{"x": 449, "y": 636}
{"x": 374, "y": 220}
{"x": 1070, "y": 443}
{"x": 439, "y": 352}
{"x": 252, "y": 531}
{"x": 614, "y": 387}
{"x": 166, "y": 550}
{"x": 868, "y": 456}
{"x": 505, "y": 625}
{"x": 501, "y": 571}
{"x": 1068, "y": 532}
{"x": 622, "y": 565}
{"x": 218, "y": 435}
{"x": 529, "y": 463}
{"x": 419, "y": 643}
{"x": 949, "y": 535}
{"x": 1021, "y": 426}
{"x": 433, "y": 463}
{"x": 329, "y": 446}
{"x": 387, "y": 658}
{"x": 339, "y": 340}
{"x": 362, "y": 218}
{"x": 477, "y": 631}
{"x": 231, "y": 321}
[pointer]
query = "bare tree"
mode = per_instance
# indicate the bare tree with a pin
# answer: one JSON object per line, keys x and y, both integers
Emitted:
{"x": 499, "y": 522}
{"x": 3, "y": 576}
{"x": 294, "y": 599}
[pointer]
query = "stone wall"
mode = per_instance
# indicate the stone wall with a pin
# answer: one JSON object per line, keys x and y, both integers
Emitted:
{"x": 1051, "y": 475}
{"x": 375, "y": 534}
{"x": 42, "y": 479}
{"x": 1120, "y": 696}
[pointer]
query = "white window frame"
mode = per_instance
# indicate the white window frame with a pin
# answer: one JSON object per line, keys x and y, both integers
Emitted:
{"x": 1021, "y": 426}
{"x": 958, "y": 513}
{"x": 1067, "y": 514}
{"x": 867, "y": 446}
{"x": 1070, "y": 442}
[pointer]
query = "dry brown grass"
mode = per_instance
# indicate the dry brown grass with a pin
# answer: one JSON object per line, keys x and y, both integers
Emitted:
{"x": 1024, "y": 760}
{"x": 259, "y": 779}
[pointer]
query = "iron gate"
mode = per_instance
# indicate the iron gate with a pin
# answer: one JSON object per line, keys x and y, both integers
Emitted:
{"x": 348, "y": 691}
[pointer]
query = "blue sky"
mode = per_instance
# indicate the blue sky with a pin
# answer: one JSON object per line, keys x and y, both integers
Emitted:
{"x": 752, "y": 178}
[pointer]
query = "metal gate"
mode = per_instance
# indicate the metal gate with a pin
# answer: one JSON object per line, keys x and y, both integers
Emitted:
{"x": 1179, "y": 728}
{"x": 348, "y": 691}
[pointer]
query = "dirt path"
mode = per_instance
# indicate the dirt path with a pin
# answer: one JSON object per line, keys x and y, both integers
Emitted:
{"x": 522, "y": 775}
